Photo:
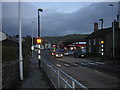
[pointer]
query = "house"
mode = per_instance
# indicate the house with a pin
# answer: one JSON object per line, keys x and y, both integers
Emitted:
{"x": 94, "y": 41}
{"x": 3, "y": 36}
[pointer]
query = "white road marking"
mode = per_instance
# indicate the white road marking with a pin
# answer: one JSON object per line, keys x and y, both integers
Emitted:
{"x": 84, "y": 64}
{"x": 58, "y": 65}
{"x": 99, "y": 63}
{"x": 96, "y": 71}
{"x": 92, "y": 63}
{"x": 75, "y": 64}
{"x": 66, "y": 65}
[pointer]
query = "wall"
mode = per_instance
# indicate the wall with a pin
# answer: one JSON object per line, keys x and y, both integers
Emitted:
{"x": 10, "y": 73}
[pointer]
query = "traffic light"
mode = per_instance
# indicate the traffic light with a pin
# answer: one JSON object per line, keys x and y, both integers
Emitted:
{"x": 39, "y": 40}
{"x": 54, "y": 47}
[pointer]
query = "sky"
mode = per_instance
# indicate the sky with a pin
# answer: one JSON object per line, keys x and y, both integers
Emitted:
{"x": 57, "y": 18}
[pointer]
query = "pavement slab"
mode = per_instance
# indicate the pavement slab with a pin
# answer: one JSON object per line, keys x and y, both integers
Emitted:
{"x": 36, "y": 77}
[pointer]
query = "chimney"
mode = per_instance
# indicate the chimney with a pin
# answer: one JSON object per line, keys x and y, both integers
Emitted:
{"x": 95, "y": 26}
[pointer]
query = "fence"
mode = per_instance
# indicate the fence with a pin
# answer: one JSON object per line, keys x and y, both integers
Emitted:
{"x": 59, "y": 78}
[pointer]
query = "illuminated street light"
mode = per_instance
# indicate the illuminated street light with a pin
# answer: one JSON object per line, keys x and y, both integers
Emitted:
{"x": 39, "y": 10}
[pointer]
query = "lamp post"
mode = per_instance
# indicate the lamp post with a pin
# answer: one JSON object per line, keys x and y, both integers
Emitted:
{"x": 32, "y": 39}
{"x": 111, "y": 5}
{"x": 20, "y": 43}
{"x": 39, "y": 35}
{"x": 102, "y": 42}
{"x": 39, "y": 10}
{"x": 101, "y": 23}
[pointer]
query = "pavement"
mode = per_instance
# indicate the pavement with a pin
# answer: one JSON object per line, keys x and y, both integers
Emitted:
{"x": 36, "y": 77}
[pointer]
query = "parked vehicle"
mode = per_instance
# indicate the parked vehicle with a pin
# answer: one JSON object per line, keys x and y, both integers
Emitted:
{"x": 78, "y": 54}
{"x": 70, "y": 52}
{"x": 66, "y": 53}
{"x": 58, "y": 54}
{"x": 53, "y": 53}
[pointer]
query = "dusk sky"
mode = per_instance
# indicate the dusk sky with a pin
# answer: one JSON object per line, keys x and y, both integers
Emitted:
{"x": 57, "y": 18}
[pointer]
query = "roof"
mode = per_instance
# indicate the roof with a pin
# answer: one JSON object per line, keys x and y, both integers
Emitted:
{"x": 3, "y": 36}
{"x": 100, "y": 33}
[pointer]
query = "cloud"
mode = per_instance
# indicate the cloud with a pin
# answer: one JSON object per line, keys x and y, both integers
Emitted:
{"x": 57, "y": 23}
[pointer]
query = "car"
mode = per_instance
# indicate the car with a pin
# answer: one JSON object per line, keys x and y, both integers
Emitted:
{"x": 58, "y": 54}
{"x": 53, "y": 53}
{"x": 70, "y": 52}
{"x": 78, "y": 54}
{"x": 66, "y": 53}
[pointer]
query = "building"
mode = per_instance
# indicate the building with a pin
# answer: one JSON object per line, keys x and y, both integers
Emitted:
{"x": 93, "y": 47}
{"x": 3, "y": 36}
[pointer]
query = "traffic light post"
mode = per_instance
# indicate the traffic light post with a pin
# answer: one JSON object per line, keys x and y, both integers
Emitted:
{"x": 39, "y": 35}
{"x": 102, "y": 49}
{"x": 39, "y": 41}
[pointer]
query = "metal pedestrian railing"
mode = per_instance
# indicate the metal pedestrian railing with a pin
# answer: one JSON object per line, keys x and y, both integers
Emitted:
{"x": 59, "y": 78}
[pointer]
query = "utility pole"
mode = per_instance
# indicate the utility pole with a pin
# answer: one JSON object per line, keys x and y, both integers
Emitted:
{"x": 20, "y": 43}
{"x": 39, "y": 37}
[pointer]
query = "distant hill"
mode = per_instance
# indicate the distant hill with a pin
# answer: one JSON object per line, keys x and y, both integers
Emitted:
{"x": 66, "y": 39}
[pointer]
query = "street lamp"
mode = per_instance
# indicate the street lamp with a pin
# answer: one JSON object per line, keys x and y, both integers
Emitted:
{"x": 20, "y": 43}
{"x": 102, "y": 42}
{"x": 39, "y": 10}
{"x": 101, "y": 23}
{"x": 39, "y": 56}
{"x": 113, "y": 34}
{"x": 32, "y": 39}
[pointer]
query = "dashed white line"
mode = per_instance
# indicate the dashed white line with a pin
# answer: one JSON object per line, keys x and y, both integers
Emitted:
{"x": 75, "y": 64}
{"x": 92, "y": 63}
{"x": 66, "y": 65}
{"x": 84, "y": 64}
{"x": 99, "y": 63}
{"x": 58, "y": 65}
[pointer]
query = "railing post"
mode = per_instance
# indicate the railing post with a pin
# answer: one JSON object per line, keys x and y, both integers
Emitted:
{"x": 73, "y": 85}
{"x": 65, "y": 83}
{"x": 58, "y": 79}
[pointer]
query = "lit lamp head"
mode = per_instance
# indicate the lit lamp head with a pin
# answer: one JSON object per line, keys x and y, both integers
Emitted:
{"x": 40, "y": 9}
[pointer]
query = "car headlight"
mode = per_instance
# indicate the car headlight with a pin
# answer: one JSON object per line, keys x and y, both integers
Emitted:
{"x": 57, "y": 55}
{"x": 52, "y": 53}
{"x": 61, "y": 55}
{"x": 82, "y": 55}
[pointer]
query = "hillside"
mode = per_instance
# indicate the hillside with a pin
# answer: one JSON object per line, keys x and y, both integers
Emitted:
{"x": 67, "y": 38}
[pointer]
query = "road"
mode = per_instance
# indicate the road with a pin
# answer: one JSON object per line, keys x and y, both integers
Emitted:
{"x": 87, "y": 72}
